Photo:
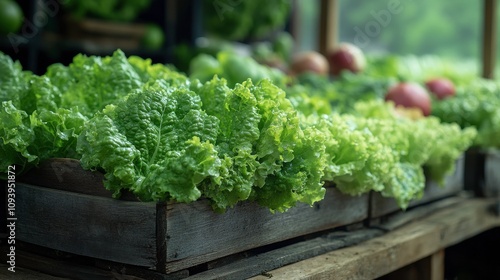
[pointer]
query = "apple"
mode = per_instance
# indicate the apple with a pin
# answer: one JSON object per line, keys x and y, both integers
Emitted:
{"x": 348, "y": 57}
{"x": 441, "y": 87}
{"x": 309, "y": 61}
{"x": 410, "y": 95}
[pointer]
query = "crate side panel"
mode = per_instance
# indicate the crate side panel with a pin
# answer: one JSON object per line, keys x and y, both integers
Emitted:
{"x": 195, "y": 234}
{"x": 98, "y": 227}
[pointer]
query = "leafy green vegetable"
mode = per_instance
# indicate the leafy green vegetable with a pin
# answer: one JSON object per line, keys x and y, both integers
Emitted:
{"x": 226, "y": 144}
{"x": 14, "y": 83}
{"x": 237, "y": 20}
{"x": 228, "y": 138}
{"x": 283, "y": 142}
{"x": 42, "y": 116}
{"x": 234, "y": 68}
{"x": 420, "y": 69}
{"x": 124, "y": 10}
{"x": 416, "y": 143}
{"x": 155, "y": 143}
{"x": 476, "y": 105}
{"x": 95, "y": 82}
{"x": 32, "y": 126}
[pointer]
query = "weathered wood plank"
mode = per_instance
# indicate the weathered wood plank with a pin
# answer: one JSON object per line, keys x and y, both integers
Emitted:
{"x": 492, "y": 174}
{"x": 195, "y": 234}
{"x": 261, "y": 263}
{"x": 431, "y": 268}
{"x": 396, "y": 249}
{"x": 489, "y": 39}
{"x": 328, "y": 26}
{"x": 436, "y": 264}
{"x": 398, "y": 219}
{"x": 68, "y": 175}
{"x": 454, "y": 183}
{"x": 121, "y": 231}
{"x": 25, "y": 274}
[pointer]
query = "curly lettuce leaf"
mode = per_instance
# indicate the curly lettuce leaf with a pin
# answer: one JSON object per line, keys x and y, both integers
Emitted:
{"x": 156, "y": 143}
{"x": 262, "y": 147}
{"x": 235, "y": 68}
{"x": 238, "y": 115}
{"x": 14, "y": 84}
{"x": 476, "y": 105}
{"x": 28, "y": 139}
{"x": 299, "y": 180}
{"x": 96, "y": 82}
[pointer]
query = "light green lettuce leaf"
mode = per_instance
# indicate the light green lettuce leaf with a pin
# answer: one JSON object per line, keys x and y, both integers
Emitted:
{"x": 155, "y": 143}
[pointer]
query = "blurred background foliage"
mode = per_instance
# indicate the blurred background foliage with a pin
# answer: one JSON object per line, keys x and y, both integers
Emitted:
{"x": 451, "y": 29}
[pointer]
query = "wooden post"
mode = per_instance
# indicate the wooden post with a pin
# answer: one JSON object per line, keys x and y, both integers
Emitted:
{"x": 431, "y": 267}
{"x": 489, "y": 38}
{"x": 436, "y": 265}
{"x": 328, "y": 25}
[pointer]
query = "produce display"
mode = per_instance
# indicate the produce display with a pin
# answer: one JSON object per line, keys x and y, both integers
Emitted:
{"x": 233, "y": 130}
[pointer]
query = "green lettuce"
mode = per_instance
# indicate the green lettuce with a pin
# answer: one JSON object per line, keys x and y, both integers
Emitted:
{"x": 235, "y": 68}
{"x": 226, "y": 144}
{"x": 156, "y": 143}
{"x": 476, "y": 105}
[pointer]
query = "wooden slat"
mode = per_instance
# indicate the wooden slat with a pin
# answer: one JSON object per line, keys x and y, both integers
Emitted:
{"x": 396, "y": 249}
{"x": 398, "y": 219}
{"x": 86, "y": 225}
{"x": 261, "y": 263}
{"x": 328, "y": 25}
{"x": 431, "y": 268}
{"x": 436, "y": 264}
{"x": 67, "y": 174}
{"x": 195, "y": 234}
{"x": 489, "y": 38}
{"x": 24, "y": 274}
{"x": 492, "y": 175}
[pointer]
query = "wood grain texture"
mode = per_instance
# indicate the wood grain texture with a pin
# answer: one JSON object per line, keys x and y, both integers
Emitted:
{"x": 489, "y": 38}
{"x": 104, "y": 228}
{"x": 195, "y": 234}
{"x": 382, "y": 255}
{"x": 430, "y": 268}
{"x": 454, "y": 183}
{"x": 25, "y": 274}
{"x": 328, "y": 26}
{"x": 67, "y": 174}
{"x": 491, "y": 187}
{"x": 261, "y": 263}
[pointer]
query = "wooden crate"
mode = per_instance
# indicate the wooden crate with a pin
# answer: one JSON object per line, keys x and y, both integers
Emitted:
{"x": 475, "y": 158}
{"x": 492, "y": 174}
{"x": 66, "y": 208}
{"x": 92, "y": 33}
{"x": 454, "y": 183}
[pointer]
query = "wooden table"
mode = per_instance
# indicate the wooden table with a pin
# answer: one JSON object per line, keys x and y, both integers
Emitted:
{"x": 422, "y": 240}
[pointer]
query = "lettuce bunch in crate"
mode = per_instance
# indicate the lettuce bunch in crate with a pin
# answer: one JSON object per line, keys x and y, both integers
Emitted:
{"x": 227, "y": 133}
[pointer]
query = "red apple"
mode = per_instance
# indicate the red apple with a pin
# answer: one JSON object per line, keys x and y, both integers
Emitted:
{"x": 346, "y": 57}
{"x": 410, "y": 95}
{"x": 441, "y": 87}
{"x": 309, "y": 61}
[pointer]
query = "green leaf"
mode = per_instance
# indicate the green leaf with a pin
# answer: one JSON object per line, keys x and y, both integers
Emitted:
{"x": 156, "y": 143}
